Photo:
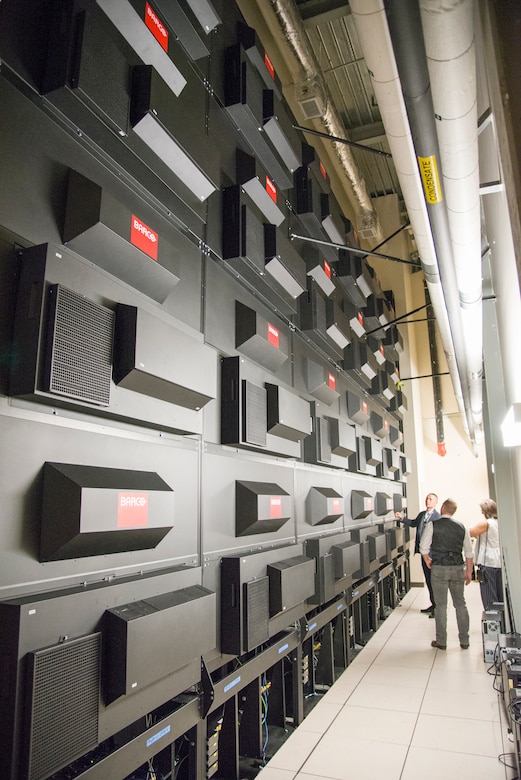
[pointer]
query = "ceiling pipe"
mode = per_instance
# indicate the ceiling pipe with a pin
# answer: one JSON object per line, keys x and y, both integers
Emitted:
{"x": 407, "y": 37}
{"x": 296, "y": 38}
{"x": 373, "y": 33}
{"x": 449, "y": 34}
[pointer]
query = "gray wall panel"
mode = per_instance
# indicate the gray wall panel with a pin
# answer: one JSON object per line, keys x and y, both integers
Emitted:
{"x": 220, "y": 470}
{"x": 32, "y": 438}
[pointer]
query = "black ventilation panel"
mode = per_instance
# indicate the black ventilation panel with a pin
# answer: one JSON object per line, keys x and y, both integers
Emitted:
{"x": 257, "y": 184}
{"x": 245, "y": 605}
{"x": 317, "y": 446}
{"x": 399, "y": 502}
{"x": 292, "y": 582}
{"x": 243, "y": 99}
{"x": 377, "y": 314}
{"x": 256, "y": 612}
{"x": 283, "y": 262}
{"x": 383, "y": 504}
{"x": 361, "y": 504}
{"x": 156, "y": 359}
{"x": 205, "y": 13}
{"x": 346, "y": 560}
{"x": 318, "y": 268}
{"x": 392, "y": 343}
{"x": 332, "y": 219}
{"x": 94, "y": 510}
{"x": 395, "y": 435}
{"x": 399, "y": 535}
{"x": 315, "y": 166}
{"x": 145, "y": 36}
{"x": 337, "y": 325}
{"x": 360, "y": 364}
{"x": 279, "y": 128}
{"x": 78, "y": 357}
{"x": 185, "y": 26}
{"x": 356, "y": 318}
{"x": 373, "y": 451}
{"x": 84, "y": 64}
{"x": 398, "y": 403}
{"x": 406, "y": 466}
{"x": 321, "y": 383}
{"x": 260, "y": 340}
{"x": 243, "y": 248}
{"x": 379, "y": 425}
{"x": 377, "y": 547}
{"x": 381, "y": 386}
{"x": 376, "y": 347}
{"x": 258, "y": 57}
{"x": 62, "y": 342}
{"x": 109, "y": 235}
{"x": 312, "y": 310}
{"x": 288, "y": 415}
{"x": 391, "y": 460}
{"x": 308, "y": 206}
{"x": 343, "y": 438}
{"x": 243, "y": 407}
{"x": 324, "y": 506}
{"x": 353, "y": 277}
{"x": 62, "y": 705}
{"x": 260, "y": 508}
{"x": 357, "y": 408}
{"x": 174, "y": 131}
{"x": 182, "y": 624}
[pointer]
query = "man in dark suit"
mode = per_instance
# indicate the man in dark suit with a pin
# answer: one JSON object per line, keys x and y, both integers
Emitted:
{"x": 429, "y": 514}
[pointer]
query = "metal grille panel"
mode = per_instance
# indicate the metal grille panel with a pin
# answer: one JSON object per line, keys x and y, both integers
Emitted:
{"x": 63, "y": 706}
{"x": 79, "y": 356}
{"x": 255, "y": 414}
{"x": 257, "y": 612}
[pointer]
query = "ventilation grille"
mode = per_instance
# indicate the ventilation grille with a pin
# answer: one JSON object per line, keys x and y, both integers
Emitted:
{"x": 255, "y": 414}
{"x": 257, "y": 612}
{"x": 63, "y": 704}
{"x": 79, "y": 356}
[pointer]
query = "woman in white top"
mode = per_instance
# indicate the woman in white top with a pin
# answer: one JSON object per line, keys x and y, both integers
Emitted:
{"x": 487, "y": 554}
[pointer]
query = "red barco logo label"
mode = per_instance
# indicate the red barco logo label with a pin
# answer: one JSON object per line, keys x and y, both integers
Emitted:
{"x": 273, "y": 335}
{"x": 144, "y": 238}
{"x": 275, "y": 506}
{"x": 322, "y": 170}
{"x": 271, "y": 189}
{"x": 336, "y": 506}
{"x": 269, "y": 65}
{"x": 331, "y": 380}
{"x": 327, "y": 269}
{"x": 132, "y": 510}
{"x": 364, "y": 407}
{"x": 156, "y": 27}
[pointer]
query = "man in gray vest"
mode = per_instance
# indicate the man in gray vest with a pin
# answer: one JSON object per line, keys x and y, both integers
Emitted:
{"x": 447, "y": 550}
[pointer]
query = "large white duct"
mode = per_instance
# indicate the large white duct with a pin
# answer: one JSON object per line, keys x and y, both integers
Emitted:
{"x": 373, "y": 32}
{"x": 450, "y": 48}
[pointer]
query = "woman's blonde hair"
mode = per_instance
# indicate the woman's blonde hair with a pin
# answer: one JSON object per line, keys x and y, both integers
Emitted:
{"x": 489, "y": 508}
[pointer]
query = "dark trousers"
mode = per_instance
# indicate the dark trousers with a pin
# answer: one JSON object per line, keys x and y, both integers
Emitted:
{"x": 491, "y": 586}
{"x": 427, "y": 574}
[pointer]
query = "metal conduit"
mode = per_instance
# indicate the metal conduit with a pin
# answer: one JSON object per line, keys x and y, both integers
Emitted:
{"x": 406, "y": 33}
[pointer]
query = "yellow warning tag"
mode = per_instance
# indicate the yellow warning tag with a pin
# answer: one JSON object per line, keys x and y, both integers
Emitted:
{"x": 431, "y": 179}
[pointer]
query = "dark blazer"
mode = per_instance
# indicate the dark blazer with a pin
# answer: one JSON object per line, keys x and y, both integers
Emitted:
{"x": 419, "y": 524}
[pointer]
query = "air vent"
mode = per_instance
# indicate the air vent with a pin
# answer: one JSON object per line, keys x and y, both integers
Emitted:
{"x": 63, "y": 704}
{"x": 78, "y": 360}
{"x": 311, "y": 98}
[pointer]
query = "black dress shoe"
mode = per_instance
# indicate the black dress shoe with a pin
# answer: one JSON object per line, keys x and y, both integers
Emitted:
{"x": 427, "y": 609}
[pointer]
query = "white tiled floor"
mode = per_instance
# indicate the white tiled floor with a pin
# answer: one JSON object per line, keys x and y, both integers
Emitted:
{"x": 403, "y": 711}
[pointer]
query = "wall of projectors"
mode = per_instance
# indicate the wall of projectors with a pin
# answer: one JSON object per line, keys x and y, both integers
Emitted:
{"x": 201, "y": 448}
